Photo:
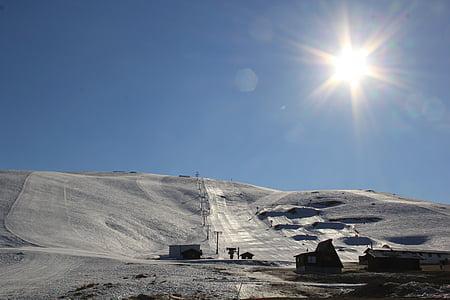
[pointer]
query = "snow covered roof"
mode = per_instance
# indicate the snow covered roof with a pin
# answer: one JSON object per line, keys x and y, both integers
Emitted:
{"x": 414, "y": 251}
{"x": 424, "y": 251}
{"x": 391, "y": 253}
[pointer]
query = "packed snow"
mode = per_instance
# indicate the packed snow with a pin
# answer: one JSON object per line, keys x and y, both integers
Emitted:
{"x": 56, "y": 225}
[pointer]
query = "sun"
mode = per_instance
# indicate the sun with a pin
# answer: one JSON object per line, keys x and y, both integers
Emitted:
{"x": 358, "y": 64}
{"x": 351, "y": 65}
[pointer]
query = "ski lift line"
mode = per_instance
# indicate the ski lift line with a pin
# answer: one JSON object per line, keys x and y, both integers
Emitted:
{"x": 236, "y": 233}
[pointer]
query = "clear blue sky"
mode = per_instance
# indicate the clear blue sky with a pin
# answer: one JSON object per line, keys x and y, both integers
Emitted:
{"x": 226, "y": 88}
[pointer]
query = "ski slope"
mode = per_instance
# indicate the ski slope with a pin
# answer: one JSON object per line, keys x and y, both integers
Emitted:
{"x": 119, "y": 214}
{"x": 139, "y": 215}
{"x": 277, "y": 225}
{"x": 240, "y": 228}
{"x": 58, "y": 230}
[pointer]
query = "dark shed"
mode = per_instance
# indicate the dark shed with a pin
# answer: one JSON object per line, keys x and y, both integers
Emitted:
{"x": 323, "y": 260}
{"x": 175, "y": 251}
{"x": 390, "y": 261}
{"x": 191, "y": 254}
{"x": 247, "y": 255}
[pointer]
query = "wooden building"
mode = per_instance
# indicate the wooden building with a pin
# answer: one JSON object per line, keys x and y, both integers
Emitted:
{"x": 191, "y": 254}
{"x": 428, "y": 257}
{"x": 185, "y": 251}
{"x": 389, "y": 261}
{"x": 247, "y": 255}
{"x": 324, "y": 260}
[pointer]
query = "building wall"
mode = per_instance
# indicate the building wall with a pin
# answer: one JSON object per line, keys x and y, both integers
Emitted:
{"x": 392, "y": 264}
{"x": 426, "y": 257}
{"x": 433, "y": 258}
{"x": 176, "y": 250}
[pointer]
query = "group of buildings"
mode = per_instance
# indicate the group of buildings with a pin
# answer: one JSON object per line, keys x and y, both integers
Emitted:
{"x": 193, "y": 251}
{"x": 326, "y": 260}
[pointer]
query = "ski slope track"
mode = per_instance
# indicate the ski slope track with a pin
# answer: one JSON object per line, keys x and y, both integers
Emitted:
{"x": 55, "y": 225}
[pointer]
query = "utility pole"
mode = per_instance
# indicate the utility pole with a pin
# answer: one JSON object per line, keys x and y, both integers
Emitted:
{"x": 204, "y": 217}
{"x": 207, "y": 231}
{"x": 217, "y": 240}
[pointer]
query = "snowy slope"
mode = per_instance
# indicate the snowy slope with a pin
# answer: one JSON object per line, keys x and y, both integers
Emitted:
{"x": 11, "y": 184}
{"x": 279, "y": 224}
{"x": 120, "y": 214}
{"x": 139, "y": 215}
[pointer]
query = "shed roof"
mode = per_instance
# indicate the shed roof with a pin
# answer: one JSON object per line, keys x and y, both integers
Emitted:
{"x": 306, "y": 254}
{"x": 418, "y": 251}
{"x": 391, "y": 253}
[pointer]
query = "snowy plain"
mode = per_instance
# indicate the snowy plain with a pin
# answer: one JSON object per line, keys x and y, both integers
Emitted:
{"x": 68, "y": 233}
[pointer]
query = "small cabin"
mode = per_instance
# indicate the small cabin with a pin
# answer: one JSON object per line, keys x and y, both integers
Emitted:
{"x": 247, "y": 255}
{"x": 185, "y": 251}
{"x": 324, "y": 260}
{"x": 191, "y": 254}
{"x": 389, "y": 261}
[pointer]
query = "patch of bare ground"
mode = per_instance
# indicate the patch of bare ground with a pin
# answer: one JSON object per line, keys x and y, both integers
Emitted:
{"x": 367, "y": 285}
{"x": 178, "y": 297}
{"x": 167, "y": 297}
{"x": 88, "y": 291}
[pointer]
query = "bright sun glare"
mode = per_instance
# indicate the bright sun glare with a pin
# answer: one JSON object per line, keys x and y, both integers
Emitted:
{"x": 351, "y": 65}
{"x": 356, "y": 62}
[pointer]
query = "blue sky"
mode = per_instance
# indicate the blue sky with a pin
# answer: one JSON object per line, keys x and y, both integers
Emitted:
{"x": 227, "y": 88}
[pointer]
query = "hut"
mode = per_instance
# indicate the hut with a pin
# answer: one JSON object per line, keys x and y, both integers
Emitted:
{"x": 182, "y": 251}
{"x": 390, "y": 261}
{"x": 324, "y": 260}
{"x": 247, "y": 255}
{"x": 191, "y": 254}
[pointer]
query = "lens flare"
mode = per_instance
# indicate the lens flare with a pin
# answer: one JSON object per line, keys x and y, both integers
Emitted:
{"x": 351, "y": 66}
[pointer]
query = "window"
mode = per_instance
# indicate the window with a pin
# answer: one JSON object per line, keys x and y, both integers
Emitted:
{"x": 311, "y": 259}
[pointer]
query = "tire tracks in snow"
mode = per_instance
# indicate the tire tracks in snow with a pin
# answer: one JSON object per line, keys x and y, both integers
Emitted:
{"x": 12, "y": 208}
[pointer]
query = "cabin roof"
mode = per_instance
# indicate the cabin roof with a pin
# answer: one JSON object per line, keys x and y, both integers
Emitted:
{"x": 313, "y": 253}
{"x": 412, "y": 251}
{"x": 391, "y": 253}
{"x": 322, "y": 247}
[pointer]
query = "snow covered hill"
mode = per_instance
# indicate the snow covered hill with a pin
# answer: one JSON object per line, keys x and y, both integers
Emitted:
{"x": 139, "y": 215}
{"x": 276, "y": 225}
{"x": 118, "y": 214}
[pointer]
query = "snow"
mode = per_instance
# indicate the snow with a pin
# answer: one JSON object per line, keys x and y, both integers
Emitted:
{"x": 126, "y": 215}
{"x": 11, "y": 183}
{"x": 54, "y": 224}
